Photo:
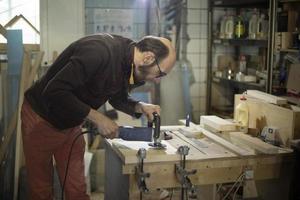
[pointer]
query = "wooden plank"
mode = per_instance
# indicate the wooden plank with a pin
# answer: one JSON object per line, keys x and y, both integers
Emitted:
{"x": 8, "y": 135}
{"x": 2, "y": 31}
{"x": 217, "y": 123}
{"x": 225, "y": 143}
{"x": 263, "y": 114}
{"x": 254, "y": 143}
{"x": 27, "y": 77}
{"x": 27, "y": 47}
{"x": 267, "y": 97}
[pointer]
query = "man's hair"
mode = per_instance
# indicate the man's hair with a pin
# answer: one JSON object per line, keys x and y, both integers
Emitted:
{"x": 153, "y": 44}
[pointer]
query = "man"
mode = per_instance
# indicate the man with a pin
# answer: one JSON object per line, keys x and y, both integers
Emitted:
{"x": 89, "y": 72}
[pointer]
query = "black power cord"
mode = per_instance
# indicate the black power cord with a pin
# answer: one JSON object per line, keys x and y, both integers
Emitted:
{"x": 69, "y": 157}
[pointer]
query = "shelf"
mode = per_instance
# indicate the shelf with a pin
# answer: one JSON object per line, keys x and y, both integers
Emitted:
{"x": 289, "y": 1}
{"x": 239, "y": 84}
{"x": 241, "y": 3}
{"x": 289, "y": 50}
{"x": 241, "y": 42}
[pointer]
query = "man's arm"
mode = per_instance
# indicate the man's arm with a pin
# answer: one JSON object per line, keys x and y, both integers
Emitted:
{"x": 107, "y": 127}
{"x": 123, "y": 102}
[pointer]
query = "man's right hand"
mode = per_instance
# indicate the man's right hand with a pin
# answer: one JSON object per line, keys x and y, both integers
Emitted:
{"x": 106, "y": 127}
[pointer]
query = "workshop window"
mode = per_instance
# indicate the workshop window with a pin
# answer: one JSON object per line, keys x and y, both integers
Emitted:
{"x": 30, "y": 10}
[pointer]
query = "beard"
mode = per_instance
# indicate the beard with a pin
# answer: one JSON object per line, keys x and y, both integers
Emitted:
{"x": 143, "y": 72}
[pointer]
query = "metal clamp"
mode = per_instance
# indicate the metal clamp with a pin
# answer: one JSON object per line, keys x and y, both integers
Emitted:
{"x": 139, "y": 171}
{"x": 182, "y": 174}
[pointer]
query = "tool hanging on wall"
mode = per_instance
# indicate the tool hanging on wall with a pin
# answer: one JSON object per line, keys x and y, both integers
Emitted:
{"x": 183, "y": 175}
{"x": 140, "y": 174}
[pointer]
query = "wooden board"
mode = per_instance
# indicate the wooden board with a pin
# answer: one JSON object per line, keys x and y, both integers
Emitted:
{"x": 199, "y": 150}
{"x": 263, "y": 114}
{"x": 238, "y": 150}
{"x": 255, "y": 143}
{"x": 217, "y": 123}
{"x": 267, "y": 97}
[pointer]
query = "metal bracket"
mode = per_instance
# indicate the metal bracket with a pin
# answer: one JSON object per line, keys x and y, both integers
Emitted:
{"x": 139, "y": 171}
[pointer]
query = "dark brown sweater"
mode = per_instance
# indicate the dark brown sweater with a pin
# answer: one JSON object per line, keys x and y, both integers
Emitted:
{"x": 87, "y": 73}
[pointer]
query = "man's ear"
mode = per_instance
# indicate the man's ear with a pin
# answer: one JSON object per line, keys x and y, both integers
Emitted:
{"x": 148, "y": 57}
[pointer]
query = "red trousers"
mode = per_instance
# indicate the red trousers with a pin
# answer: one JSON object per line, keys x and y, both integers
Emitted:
{"x": 42, "y": 142}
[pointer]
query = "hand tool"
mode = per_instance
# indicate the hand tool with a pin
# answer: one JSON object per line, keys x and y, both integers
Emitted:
{"x": 135, "y": 133}
{"x": 156, "y": 135}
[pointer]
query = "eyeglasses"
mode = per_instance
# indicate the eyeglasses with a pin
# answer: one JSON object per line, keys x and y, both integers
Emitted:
{"x": 161, "y": 73}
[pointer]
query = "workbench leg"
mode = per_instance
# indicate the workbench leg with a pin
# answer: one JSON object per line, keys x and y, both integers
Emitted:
{"x": 116, "y": 183}
{"x": 206, "y": 192}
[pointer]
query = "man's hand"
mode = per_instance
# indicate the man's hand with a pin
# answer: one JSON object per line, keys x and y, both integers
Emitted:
{"x": 147, "y": 109}
{"x": 107, "y": 127}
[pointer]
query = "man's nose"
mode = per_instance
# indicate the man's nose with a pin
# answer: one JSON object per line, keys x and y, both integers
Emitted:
{"x": 157, "y": 80}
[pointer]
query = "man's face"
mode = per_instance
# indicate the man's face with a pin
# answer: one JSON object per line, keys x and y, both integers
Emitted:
{"x": 152, "y": 72}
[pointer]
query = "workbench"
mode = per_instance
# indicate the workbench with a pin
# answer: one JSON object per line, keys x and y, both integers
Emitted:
{"x": 215, "y": 164}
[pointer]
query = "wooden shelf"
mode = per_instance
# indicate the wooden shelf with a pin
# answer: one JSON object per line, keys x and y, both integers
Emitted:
{"x": 289, "y": 1}
{"x": 239, "y": 84}
{"x": 241, "y": 42}
{"x": 241, "y": 3}
{"x": 289, "y": 50}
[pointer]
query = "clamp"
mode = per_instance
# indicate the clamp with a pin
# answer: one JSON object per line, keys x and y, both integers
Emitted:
{"x": 183, "y": 175}
{"x": 139, "y": 170}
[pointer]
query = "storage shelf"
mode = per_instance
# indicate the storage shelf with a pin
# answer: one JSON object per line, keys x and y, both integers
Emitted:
{"x": 239, "y": 84}
{"x": 289, "y": 1}
{"x": 241, "y": 42}
{"x": 241, "y": 3}
{"x": 289, "y": 50}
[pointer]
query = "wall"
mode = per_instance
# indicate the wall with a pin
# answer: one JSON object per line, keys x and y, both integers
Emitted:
{"x": 62, "y": 22}
{"x": 197, "y": 53}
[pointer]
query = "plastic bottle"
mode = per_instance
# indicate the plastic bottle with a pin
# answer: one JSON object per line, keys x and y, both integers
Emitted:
{"x": 229, "y": 27}
{"x": 223, "y": 26}
{"x": 261, "y": 27}
{"x": 242, "y": 64}
{"x": 239, "y": 27}
{"x": 242, "y": 114}
{"x": 253, "y": 25}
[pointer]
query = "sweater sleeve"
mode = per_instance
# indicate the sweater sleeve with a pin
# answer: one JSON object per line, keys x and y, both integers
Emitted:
{"x": 87, "y": 59}
{"x": 123, "y": 102}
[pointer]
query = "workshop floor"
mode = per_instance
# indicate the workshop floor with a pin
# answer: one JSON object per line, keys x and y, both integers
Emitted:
{"x": 154, "y": 196}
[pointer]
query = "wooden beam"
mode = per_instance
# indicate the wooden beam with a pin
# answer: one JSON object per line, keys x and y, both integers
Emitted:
{"x": 8, "y": 134}
{"x": 254, "y": 143}
{"x": 224, "y": 143}
{"x": 27, "y": 47}
{"x": 217, "y": 123}
{"x": 27, "y": 77}
{"x": 267, "y": 97}
{"x": 17, "y": 18}
{"x": 2, "y": 31}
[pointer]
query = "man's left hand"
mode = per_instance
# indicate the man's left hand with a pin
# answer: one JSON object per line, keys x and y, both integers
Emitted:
{"x": 147, "y": 109}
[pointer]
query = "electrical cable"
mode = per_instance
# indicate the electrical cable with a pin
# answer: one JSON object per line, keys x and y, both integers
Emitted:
{"x": 238, "y": 187}
{"x": 68, "y": 161}
{"x": 171, "y": 195}
{"x": 237, "y": 181}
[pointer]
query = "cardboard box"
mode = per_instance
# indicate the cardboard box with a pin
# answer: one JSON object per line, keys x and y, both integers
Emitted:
{"x": 294, "y": 78}
{"x": 283, "y": 40}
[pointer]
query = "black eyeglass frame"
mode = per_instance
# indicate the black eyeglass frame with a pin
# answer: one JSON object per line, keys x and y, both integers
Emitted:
{"x": 161, "y": 73}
